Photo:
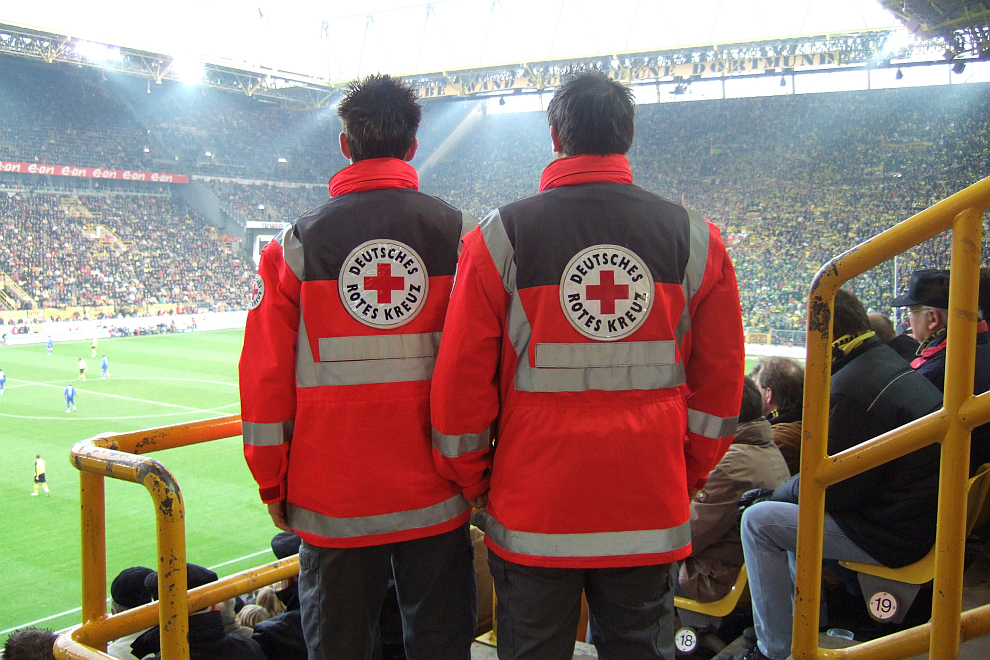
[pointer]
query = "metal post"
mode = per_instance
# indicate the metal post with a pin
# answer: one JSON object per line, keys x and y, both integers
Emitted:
{"x": 94, "y": 546}
{"x": 960, "y": 364}
{"x": 814, "y": 446}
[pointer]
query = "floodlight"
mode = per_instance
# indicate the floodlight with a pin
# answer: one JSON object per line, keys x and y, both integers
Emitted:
{"x": 190, "y": 72}
{"x": 282, "y": 160}
{"x": 209, "y": 154}
{"x": 147, "y": 150}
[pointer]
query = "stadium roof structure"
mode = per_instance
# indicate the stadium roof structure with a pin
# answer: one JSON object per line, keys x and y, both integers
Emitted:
{"x": 302, "y": 53}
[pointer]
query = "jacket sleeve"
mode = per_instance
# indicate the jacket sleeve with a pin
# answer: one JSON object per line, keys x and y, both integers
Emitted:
{"x": 715, "y": 364}
{"x": 711, "y": 515}
{"x": 465, "y": 398}
{"x": 267, "y": 372}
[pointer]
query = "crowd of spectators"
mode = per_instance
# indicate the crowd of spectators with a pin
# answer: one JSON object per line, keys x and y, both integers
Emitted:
{"x": 40, "y": 124}
{"x": 267, "y": 202}
{"x": 121, "y": 250}
{"x": 791, "y": 181}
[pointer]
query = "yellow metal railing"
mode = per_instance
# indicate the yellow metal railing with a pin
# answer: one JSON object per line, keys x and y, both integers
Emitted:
{"x": 951, "y": 426}
{"x": 119, "y": 457}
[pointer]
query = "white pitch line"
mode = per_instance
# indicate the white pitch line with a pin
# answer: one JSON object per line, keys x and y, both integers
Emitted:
{"x": 121, "y": 396}
{"x": 79, "y": 609}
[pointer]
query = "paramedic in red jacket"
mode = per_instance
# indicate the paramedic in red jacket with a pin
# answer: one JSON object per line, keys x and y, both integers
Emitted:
{"x": 594, "y": 334}
{"x": 345, "y": 319}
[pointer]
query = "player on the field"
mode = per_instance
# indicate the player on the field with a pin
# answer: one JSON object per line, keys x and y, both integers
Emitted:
{"x": 3, "y": 381}
{"x": 93, "y": 346}
{"x": 39, "y": 476}
{"x": 105, "y": 366}
{"x": 70, "y": 397}
{"x": 48, "y": 345}
{"x": 82, "y": 369}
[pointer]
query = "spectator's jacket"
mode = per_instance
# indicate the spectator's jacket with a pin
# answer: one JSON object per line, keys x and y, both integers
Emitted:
{"x": 753, "y": 461}
{"x": 345, "y": 319}
{"x": 207, "y": 641}
{"x": 595, "y": 327}
{"x": 785, "y": 430}
{"x": 931, "y": 364}
{"x": 888, "y": 511}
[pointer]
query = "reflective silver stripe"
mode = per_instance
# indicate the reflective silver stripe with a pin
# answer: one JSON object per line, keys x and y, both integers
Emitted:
{"x": 625, "y": 353}
{"x": 468, "y": 222}
{"x": 292, "y": 251}
{"x": 694, "y": 271}
{"x": 310, "y": 373}
{"x": 600, "y": 544}
{"x": 650, "y": 374}
{"x": 453, "y": 446}
{"x": 266, "y": 435}
{"x": 312, "y": 522}
{"x": 379, "y": 347}
{"x": 711, "y": 426}
{"x": 499, "y": 247}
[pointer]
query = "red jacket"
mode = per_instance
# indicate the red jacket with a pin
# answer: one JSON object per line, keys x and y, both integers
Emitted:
{"x": 595, "y": 333}
{"x": 346, "y": 315}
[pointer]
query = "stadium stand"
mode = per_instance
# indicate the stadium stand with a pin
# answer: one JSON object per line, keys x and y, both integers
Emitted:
{"x": 792, "y": 180}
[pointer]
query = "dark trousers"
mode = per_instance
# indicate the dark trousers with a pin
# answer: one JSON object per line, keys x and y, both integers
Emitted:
{"x": 341, "y": 591}
{"x": 631, "y": 610}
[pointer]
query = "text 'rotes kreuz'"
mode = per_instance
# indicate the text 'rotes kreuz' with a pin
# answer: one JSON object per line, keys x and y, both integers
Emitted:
{"x": 606, "y": 292}
{"x": 383, "y": 283}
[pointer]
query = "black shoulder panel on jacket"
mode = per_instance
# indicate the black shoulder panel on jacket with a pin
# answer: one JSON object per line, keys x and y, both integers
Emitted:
{"x": 557, "y": 224}
{"x": 426, "y": 224}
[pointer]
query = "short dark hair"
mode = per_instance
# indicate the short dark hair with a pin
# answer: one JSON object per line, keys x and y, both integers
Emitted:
{"x": 850, "y": 316}
{"x": 785, "y": 377}
{"x": 593, "y": 114}
{"x": 752, "y": 403}
{"x": 380, "y": 117}
{"x": 30, "y": 644}
{"x": 882, "y": 325}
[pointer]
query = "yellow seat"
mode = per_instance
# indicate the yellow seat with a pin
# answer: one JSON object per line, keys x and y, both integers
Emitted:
{"x": 923, "y": 570}
{"x": 721, "y": 607}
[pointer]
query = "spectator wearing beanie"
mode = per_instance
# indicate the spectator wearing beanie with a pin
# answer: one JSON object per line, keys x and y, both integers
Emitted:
{"x": 128, "y": 591}
{"x": 207, "y": 639}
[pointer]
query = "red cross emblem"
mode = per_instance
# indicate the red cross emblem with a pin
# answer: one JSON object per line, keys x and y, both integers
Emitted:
{"x": 255, "y": 290}
{"x": 606, "y": 292}
{"x": 384, "y": 283}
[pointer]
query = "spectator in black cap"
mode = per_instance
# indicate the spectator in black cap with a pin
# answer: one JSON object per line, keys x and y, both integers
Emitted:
{"x": 927, "y": 300}
{"x": 207, "y": 639}
{"x": 126, "y": 591}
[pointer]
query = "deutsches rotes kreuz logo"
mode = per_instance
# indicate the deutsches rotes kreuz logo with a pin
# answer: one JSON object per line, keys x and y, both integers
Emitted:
{"x": 606, "y": 292}
{"x": 383, "y": 283}
{"x": 257, "y": 293}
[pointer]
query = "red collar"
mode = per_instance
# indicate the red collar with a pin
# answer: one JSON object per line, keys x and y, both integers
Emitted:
{"x": 374, "y": 174}
{"x": 586, "y": 168}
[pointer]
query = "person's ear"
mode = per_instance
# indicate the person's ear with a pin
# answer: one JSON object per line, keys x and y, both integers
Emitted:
{"x": 558, "y": 146}
{"x": 411, "y": 152}
{"x": 345, "y": 149}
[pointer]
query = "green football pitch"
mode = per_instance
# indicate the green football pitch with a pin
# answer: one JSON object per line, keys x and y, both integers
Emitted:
{"x": 154, "y": 381}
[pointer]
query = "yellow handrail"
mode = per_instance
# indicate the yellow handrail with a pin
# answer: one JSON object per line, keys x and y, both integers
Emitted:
{"x": 119, "y": 457}
{"x": 951, "y": 426}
